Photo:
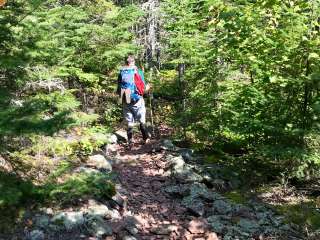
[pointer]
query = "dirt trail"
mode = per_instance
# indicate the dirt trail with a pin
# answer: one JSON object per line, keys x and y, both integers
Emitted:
{"x": 149, "y": 212}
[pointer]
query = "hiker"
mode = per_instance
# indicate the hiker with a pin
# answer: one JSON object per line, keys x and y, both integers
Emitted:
{"x": 131, "y": 87}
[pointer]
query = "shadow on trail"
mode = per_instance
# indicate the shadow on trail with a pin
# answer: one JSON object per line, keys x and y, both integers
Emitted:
{"x": 158, "y": 215}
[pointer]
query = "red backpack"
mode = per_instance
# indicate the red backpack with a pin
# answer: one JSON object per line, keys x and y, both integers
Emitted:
{"x": 139, "y": 83}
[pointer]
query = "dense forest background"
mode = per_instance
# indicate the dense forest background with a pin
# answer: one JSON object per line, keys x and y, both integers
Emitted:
{"x": 238, "y": 81}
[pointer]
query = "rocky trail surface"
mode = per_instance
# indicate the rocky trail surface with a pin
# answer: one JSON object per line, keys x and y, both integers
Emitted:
{"x": 162, "y": 193}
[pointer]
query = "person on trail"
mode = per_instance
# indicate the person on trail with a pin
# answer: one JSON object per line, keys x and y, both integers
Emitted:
{"x": 131, "y": 87}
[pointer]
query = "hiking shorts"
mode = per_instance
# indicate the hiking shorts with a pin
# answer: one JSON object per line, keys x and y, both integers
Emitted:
{"x": 135, "y": 112}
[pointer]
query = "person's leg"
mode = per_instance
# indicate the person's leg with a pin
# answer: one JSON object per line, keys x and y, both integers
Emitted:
{"x": 141, "y": 117}
{"x": 128, "y": 115}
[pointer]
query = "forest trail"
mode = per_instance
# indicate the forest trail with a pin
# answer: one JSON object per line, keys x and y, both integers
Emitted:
{"x": 150, "y": 212}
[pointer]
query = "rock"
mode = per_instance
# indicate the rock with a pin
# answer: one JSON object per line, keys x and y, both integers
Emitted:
{"x": 186, "y": 154}
{"x": 248, "y": 226}
{"x": 130, "y": 224}
{"x": 121, "y": 135}
{"x": 182, "y": 190}
{"x": 198, "y": 226}
{"x": 201, "y": 190}
{"x": 128, "y": 238}
{"x": 114, "y": 214}
{"x": 36, "y": 235}
{"x": 97, "y": 227}
{"x": 212, "y": 236}
{"x": 100, "y": 162}
{"x": 104, "y": 138}
{"x": 167, "y": 144}
{"x": 164, "y": 229}
{"x": 48, "y": 211}
{"x": 216, "y": 223}
{"x": 96, "y": 209}
{"x": 219, "y": 184}
{"x": 42, "y": 221}
{"x": 119, "y": 200}
{"x": 222, "y": 207}
{"x": 69, "y": 220}
{"x": 86, "y": 170}
{"x": 242, "y": 211}
{"x": 175, "y": 163}
{"x": 194, "y": 205}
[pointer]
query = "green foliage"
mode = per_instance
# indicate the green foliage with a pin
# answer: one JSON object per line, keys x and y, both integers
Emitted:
{"x": 43, "y": 113}
{"x": 251, "y": 86}
{"x": 79, "y": 186}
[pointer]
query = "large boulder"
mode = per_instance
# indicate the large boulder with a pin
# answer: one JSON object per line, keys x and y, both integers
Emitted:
{"x": 68, "y": 220}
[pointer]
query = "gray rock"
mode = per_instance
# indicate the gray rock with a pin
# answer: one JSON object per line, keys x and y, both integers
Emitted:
{"x": 164, "y": 229}
{"x": 201, "y": 190}
{"x": 222, "y": 207}
{"x": 119, "y": 200}
{"x": 217, "y": 224}
{"x": 86, "y": 170}
{"x": 175, "y": 163}
{"x": 100, "y": 162}
{"x": 248, "y": 226}
{"x": 104, "y": 138}
{"x": 128, "y": 238}
{"x": 194, "y": 205}
{"x": 97, "y": 227}
{"x": 69, "y": 220}
{"x": 181, "y": 190}
{"x": 42, "y": 221}
{"x": 121, "y": 136}
{"x": 36, "y": 235}
{"x": 114, "y": 214}
{"x": 96, "y": 209}
{"x": 186, "y": 154}
{"x": 167, "y": 144}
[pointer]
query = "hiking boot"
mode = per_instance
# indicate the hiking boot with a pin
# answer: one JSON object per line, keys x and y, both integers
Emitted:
{"x": 146, "y": 141}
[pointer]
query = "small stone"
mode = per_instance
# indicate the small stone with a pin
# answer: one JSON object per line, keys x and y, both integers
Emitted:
{"x": 167, "y": 145}
{"x": 128, "y": 238}
{"x": 100, "y": 162}
{"x": 222, "y": 207}
{"x": 36, "y": 235}
{"x": 164, "y": 229}
{"x": 121, "y": 136}
{"x": 186, "y": 154}
{"x": 178, "y": 190}
{"x": 212, "y": 236}
{"x": 98, "y": 227}
{"x": 198, "y": 226}
{"x": 86, "y": 170}
{"x": 248, "y": 226}
{"x": 119, "y": 200}
{"x": 194, "y": 205}
{"x": 49, "y": 211}
{"x": 42, "y": 221}
{"x": 216, "y": 223}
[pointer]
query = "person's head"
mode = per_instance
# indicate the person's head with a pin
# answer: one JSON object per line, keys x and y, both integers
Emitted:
{"x": 130, "y": 60}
